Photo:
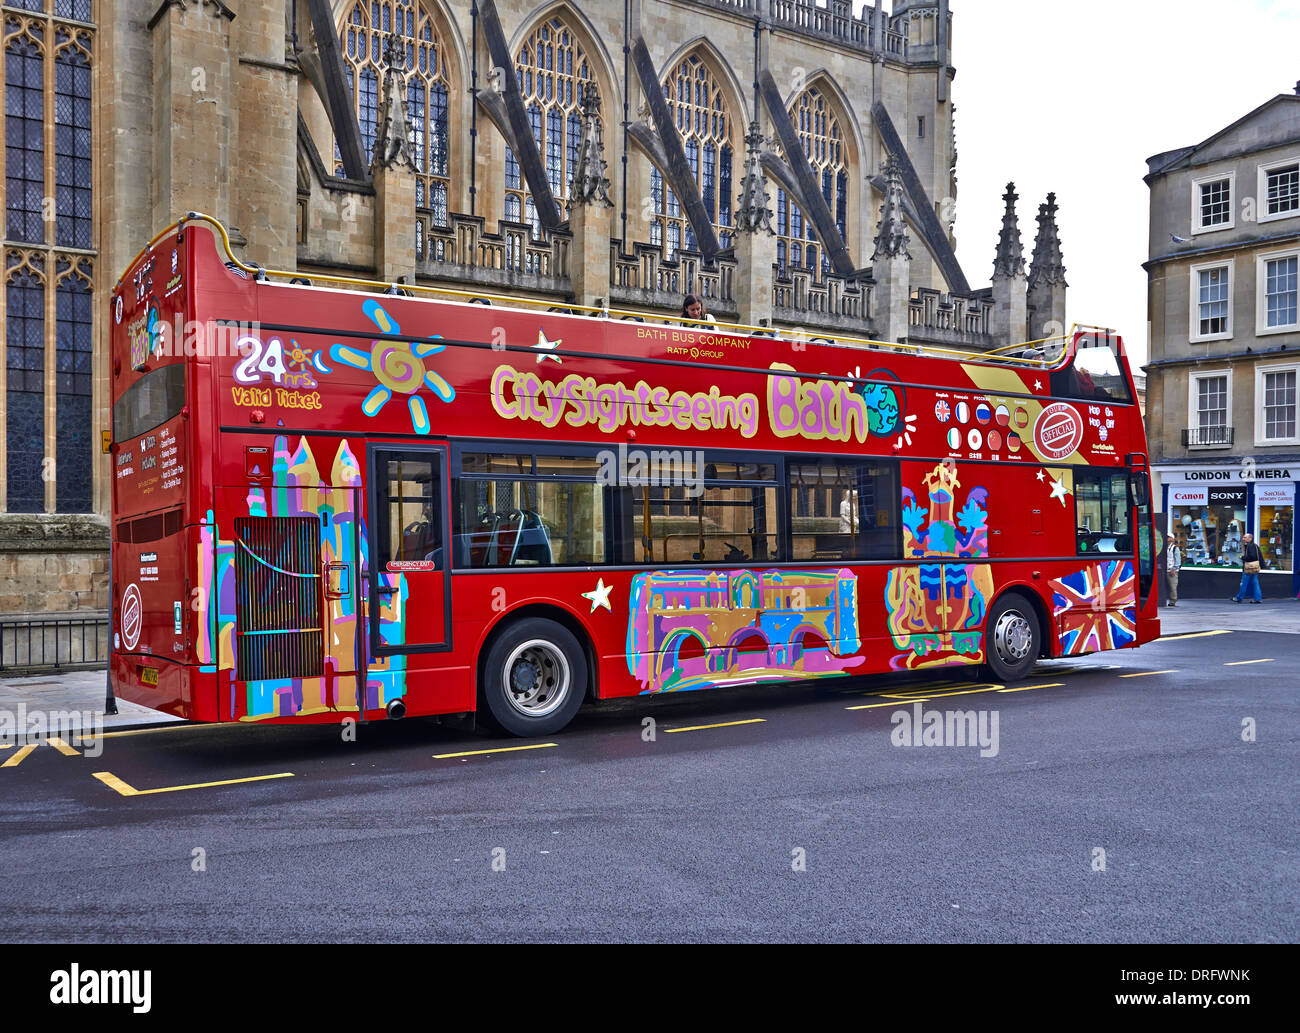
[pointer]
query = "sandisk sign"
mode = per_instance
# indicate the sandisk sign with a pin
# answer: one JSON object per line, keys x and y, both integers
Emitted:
{"x": 1275, "y": 494}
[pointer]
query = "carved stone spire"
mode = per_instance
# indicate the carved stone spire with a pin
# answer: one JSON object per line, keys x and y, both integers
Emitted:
{"x": 1010, "y": 258}
{"x": 891, "y": 232}
{"x": 590, "y": 185}
{"x": 1047, "y": 265}
{"x": 393, "y": 141}
{"x": 752, "y": 213}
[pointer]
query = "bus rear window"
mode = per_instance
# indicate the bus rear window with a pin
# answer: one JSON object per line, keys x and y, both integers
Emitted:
{"x": 152, "y": 400}
{"x": 1093, "y": 375}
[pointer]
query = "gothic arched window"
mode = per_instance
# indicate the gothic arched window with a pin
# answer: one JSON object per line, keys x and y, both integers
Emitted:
{"x": 48, "y": 54}
{"x": 25, "y": 379}
{"x": 823, "y": 145}
{"x": 551, "y": 68}
{"x": 700, "y": 113}
{"x": 425, "y": 88}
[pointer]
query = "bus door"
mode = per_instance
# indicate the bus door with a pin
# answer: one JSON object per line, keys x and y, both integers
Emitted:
{"x": 1142, "y": 523}
{"x": 294, "y": 635}
{"x": 408, "y": 568}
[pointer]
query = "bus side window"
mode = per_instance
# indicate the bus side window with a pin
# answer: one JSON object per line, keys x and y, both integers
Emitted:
{"x": 843, "y": 509}
{"x": 528, "y": 511}
{"x": 1101, "y": 506}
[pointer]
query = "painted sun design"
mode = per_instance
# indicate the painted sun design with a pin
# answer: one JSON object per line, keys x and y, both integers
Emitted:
{"x": 909, "y": 425}
{"x": 398, "y": 366}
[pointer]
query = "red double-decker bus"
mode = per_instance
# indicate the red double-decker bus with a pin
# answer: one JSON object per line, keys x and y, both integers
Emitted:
{"x": 334, "y": 501}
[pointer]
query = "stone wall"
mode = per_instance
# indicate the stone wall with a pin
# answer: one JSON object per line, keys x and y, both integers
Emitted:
{"x": 53, "y": 563}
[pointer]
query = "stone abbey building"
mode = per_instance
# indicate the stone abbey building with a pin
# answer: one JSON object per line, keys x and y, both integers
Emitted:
{"x": 792, "y": 162}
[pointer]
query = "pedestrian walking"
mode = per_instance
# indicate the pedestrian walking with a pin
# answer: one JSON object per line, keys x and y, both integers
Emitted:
{"x": 1251, "y": 562}
{"x": 1173, "y": 564}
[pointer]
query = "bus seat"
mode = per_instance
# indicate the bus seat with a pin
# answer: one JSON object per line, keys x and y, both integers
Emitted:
{"x": 532, "y": 542}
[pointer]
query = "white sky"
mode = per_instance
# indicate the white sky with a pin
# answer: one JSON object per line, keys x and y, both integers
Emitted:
{"x": 1074, "y": 97}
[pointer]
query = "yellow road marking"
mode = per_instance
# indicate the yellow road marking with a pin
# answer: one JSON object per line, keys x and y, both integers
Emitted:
{"x": 1192, "y": 634}
{"x": 922, "y": 687}
{"x": 1031, "y": 688}
{"x": 724, "y": 724}
{"x": 925, "y": 699}
{"x": 113, "y": 782}
{"x": 6, "y": 746}
{"x": 895, "y": 703}
{"x": 62, "y": 747}
{"x": 185, "y": 726}
{"x": 1238, "y": 663}
{"x": 503, "y": 749}
{"x": 1143, "y": 674}
{"x": 17, "y": 758}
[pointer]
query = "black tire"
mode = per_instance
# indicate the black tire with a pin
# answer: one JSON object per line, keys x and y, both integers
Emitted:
{"x": 1012, "y": 638}
{"x": 535, "y": 677}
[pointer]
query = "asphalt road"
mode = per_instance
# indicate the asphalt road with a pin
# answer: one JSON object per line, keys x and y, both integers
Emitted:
{"x": 1122, "y": 805}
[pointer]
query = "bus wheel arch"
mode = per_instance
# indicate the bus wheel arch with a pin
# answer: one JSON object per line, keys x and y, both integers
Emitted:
{"x": 1016, "y": 634}
{"x": 529, "y": 653}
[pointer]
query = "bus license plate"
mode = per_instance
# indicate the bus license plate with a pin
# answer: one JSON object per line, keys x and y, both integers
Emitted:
{"x": 149, "y": 675}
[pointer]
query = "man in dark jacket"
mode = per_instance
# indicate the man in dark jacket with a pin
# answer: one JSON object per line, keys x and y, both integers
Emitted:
{"x": 1250, "y": 554}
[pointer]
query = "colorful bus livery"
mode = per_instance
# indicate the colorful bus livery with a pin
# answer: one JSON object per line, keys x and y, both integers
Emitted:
{"x": 747, "y": 627}
{"x": 365, "y": 504}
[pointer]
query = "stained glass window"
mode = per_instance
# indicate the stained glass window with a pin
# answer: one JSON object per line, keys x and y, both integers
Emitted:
{"x": 72, "y": 145}
{"x": 823, "y": 145}
{"x": 49, "y": 178}
{"x": 25, "y": 137}
{"x": 76, "y": 9}
{"x": 25, "y": 381}
{"x": 73, "y": 364}
{"x": 703, "y": 119}
{"x": 427, "y": 87}
{"x": 551, "y": 69}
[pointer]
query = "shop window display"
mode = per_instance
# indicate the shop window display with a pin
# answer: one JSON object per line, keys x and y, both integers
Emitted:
{"x": 1276, "y": 536}
{"x": 1210, "y": 534}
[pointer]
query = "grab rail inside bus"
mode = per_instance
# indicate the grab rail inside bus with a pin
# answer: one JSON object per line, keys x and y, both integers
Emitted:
{"x": 1037, "y": 357}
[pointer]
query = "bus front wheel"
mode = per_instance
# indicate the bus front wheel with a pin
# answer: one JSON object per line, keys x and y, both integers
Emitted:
{"x": 535, "y": 678}
{"x": 1013, "y": 638}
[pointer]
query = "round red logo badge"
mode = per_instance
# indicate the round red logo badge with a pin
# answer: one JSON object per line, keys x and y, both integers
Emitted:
{"x": 132, "y": 616}
{"x": 1058, "y": 431}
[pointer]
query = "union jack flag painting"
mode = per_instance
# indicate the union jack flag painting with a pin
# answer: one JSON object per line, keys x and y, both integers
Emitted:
{"x": 941, "y": 411}
{"x": 1096, "y": 607}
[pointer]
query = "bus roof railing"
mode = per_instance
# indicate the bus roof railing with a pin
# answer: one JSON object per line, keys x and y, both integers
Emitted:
{"x": 1043, "y": 353}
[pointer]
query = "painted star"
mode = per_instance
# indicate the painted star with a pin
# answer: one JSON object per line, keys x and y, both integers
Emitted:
{"x": 1040, "y": 475}
{"x": 599, "y": 595}
{"x": 1059, "y": 490}
{"x": 1038, "y": 385}
{"x": 547, "y": 346}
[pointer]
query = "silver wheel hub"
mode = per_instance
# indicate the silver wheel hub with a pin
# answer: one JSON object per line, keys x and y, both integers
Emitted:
{"x": 1012, "y": 636}
{"x": 537, "y": 678}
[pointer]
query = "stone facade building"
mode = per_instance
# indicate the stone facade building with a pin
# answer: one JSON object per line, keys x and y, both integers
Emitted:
{"x": 788, "y": 160}
{"x": 1223, "y": 422}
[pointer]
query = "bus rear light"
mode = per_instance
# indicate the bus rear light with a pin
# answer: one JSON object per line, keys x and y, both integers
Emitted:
{"x": 257, "y": 416}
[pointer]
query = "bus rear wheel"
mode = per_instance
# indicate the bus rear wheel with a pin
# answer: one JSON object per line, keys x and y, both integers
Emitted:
{"x": 1012, "y": 639}
{"x": 535, "y": 677}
